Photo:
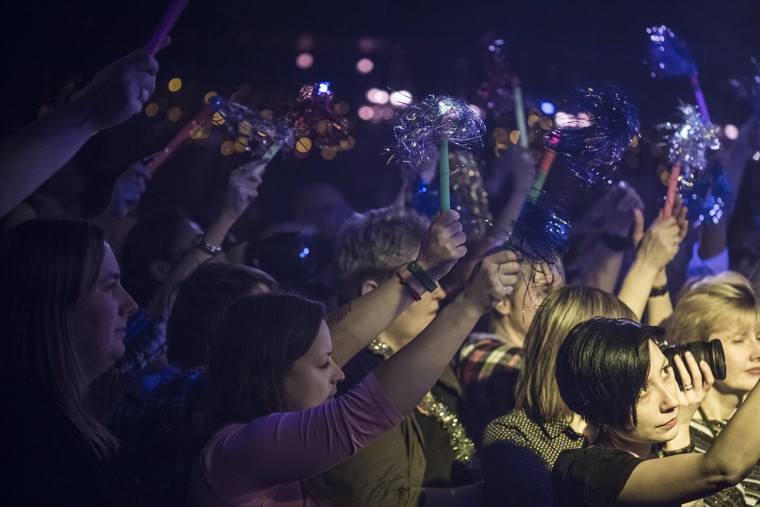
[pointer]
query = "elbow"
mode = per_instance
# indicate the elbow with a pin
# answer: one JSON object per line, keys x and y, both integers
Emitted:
{"x": 726, "y": 473}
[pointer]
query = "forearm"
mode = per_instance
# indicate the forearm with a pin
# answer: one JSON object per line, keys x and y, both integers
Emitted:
{"x": 737, "y": 448}
{"x": 637, "y": 286}
{"x": 604, "y": 270}
{"x": 512, "y": 210}
{"x": 659, "y": 305}
{"x": 33, "y": 155}
{"x": 410, "y": 372}
{"x": 354, "y": 325}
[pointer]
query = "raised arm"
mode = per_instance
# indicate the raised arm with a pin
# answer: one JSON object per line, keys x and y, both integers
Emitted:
{"x": 354, "y": 325}
{"x": 242, "y": 188}
{"x": 686, "y": 477}
{"x": 30, "y": 157}
{"x": 658, "y": 247}
{"x": 408, "y": 374}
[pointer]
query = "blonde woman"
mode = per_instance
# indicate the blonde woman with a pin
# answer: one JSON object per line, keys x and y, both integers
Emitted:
{"x": 722, "y": 307}
{"x": 519, "y": 449}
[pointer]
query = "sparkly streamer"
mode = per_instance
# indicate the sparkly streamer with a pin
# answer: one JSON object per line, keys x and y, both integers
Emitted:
{"x": 314, "y": 116}
{"x": 592, "y": 152}
{"x": 541, "y": 233}
{"x": 707, "y": 196}
{"x": 688, "y": 141}
{"x": 667, "y": 54}
{"x": 258, "y": 133}
{"x": 463, "y": 447}
{"x": 670, "y": 56}
{"x": 422, "y": 125}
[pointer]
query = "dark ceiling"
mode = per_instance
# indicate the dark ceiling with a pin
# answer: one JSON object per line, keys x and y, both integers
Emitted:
{"x": 423, "y": 46}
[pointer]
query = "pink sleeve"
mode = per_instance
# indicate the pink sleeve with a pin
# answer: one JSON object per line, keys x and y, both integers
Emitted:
{"x": 291, "y": 446}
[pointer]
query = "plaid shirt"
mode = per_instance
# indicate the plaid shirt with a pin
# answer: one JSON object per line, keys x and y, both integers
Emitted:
{"x": 159, "y": 435}
{"x": 145, "y": 341}
{"x": 487, "y": 369}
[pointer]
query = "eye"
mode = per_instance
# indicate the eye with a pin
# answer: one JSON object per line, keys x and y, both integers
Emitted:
{"x": 666, "y": 370}
{"x": 644, "y": 389}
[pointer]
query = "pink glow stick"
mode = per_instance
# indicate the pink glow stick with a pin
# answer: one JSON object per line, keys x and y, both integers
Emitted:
{"x": 670, "y": 199}
{"x": 181, "y": 136}
{"x": 164, "y": 27}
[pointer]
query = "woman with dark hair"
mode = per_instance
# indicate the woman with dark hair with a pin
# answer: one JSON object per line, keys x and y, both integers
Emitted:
{"x": 63, "y": 316}
{"x": 519, "y": 449}
{"x": 612, "y": 373}
{"x": 270, "y": 410}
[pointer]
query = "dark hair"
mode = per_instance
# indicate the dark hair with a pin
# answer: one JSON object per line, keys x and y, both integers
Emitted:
{"x": 601, "y": 368}
{"x": 202, "y": 301}
{"x": 536, "y": 389}
{"x": 151, "y": 238}
{"x": 45, "y": 266}
{"x": 259, "y": 339}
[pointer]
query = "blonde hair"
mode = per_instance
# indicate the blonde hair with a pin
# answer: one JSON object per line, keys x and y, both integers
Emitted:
{"x": 727, "y": 297}
{"x": 563, "y": 308}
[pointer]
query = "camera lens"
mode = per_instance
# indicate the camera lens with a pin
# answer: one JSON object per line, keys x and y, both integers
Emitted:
{"x": 711, "y": 352}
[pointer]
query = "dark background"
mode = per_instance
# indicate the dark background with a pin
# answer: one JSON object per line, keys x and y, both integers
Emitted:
{"x": 425, "y": 47}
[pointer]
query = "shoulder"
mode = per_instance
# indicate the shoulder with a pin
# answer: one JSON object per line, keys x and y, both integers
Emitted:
{"x": 592, "y": 476}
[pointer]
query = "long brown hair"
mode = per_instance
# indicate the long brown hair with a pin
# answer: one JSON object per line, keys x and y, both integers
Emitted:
{"x": 536, "y": 389}
{"x": 45, "y": 266}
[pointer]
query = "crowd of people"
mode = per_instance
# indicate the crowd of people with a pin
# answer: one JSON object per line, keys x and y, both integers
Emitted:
{"x": 377, "y": 358}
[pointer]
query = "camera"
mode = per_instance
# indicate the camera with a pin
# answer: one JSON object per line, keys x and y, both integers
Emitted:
{"x": 711, "y": 352}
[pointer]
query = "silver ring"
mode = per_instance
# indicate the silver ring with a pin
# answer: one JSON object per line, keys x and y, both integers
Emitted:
{"x": 144, "y": 94}
{"x": 508, "y": 289}
{"x": 688, "y": 387}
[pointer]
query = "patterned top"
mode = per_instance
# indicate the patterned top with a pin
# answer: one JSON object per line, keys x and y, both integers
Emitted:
{"x": 703, "y": 432}
{"x": 487, "y": 369}
{"x": 517, "y": 454}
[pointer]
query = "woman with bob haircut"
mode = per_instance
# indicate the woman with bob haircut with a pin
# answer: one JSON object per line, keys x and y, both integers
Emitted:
{"x": 270, "y": 414}
{"x": 722, "y": 307}
{"x": 519, "y": 449}
{"x": 613, "y": 374}
{"x": 63, "y": 315}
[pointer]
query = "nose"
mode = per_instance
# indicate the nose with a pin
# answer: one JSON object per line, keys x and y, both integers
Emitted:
{"x": 128, "y": 306}
{"x": 339, "y": 375}
{"x": 669, "y": 400}
{"x": 754, "y": 355}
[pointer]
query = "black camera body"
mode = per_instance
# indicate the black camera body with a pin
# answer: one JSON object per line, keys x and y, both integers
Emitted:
{"x": 711, "y": 352}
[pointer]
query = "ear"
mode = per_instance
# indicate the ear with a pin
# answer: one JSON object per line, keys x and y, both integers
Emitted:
{"x": 368, "y": 286}
{"x": 504, "y": 307}
{"x": 158, "y": 270}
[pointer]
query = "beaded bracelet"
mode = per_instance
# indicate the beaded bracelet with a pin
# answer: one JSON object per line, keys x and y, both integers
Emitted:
{"x": 201, "y": 244}
{"x": 415, "y": 295}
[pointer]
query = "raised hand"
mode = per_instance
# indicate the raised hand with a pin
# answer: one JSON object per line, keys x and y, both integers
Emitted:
{"x": 442, "y": 244}
{"x": 242, "y": 188}
{"x": 127, "y": 190}
{"x": 118, "y": 91}
{"x": 621, "y": 204}
{"x": 492, "y": 279}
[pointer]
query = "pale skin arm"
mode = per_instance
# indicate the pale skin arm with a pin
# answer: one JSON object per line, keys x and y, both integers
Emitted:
{"x": 354, "y": 325}
{"x": 410, "y": 372}
{"x": 688, "y": 477}
{"x": 622, "y": 207}
{"x": 242, "y": 188}
{"x": 658, "y": 247}
{"x": 115, "y": 94}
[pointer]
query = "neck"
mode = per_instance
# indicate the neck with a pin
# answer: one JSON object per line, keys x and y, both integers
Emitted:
{"x": 511, "y": 335}
{"x": 611, "y": 440}
{"x": 581, "y": 427}
{"x": 720, "y": 405}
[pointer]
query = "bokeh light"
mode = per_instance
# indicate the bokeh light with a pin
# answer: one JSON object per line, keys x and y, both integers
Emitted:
{"x": 304, "y": 61}
{"x": 365, "y": 66}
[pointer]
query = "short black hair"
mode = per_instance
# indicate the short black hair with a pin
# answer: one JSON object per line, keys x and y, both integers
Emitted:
{"x": 601, "y": 368}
